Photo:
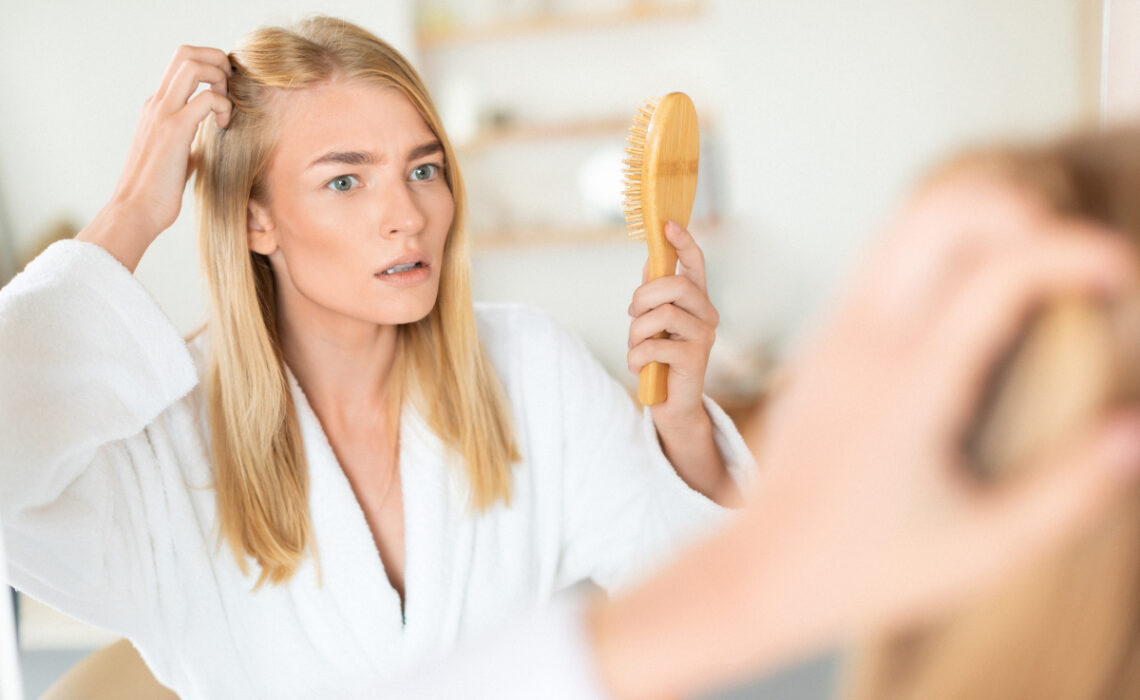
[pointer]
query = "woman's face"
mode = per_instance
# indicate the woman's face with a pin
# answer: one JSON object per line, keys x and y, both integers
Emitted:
{"x": 356, "y": 209}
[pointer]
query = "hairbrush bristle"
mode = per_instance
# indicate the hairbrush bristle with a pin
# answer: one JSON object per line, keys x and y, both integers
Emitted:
{"x": 634, "y": 160}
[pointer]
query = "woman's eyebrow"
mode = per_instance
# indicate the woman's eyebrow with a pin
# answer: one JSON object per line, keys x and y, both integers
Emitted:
{"x": 425, "y": 149}
{"x": 346, "y": 158}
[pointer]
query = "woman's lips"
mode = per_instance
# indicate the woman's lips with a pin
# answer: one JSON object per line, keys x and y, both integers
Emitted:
{"x": 405, "y": 274}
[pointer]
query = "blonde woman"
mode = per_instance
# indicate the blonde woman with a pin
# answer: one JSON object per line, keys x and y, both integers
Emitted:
{"x": 353, "y": 466}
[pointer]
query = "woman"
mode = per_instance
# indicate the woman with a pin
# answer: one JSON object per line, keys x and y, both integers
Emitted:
{"x": 353, "y": 467}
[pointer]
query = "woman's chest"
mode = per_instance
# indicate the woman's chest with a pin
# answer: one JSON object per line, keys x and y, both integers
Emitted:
{"x": 373, "y": 474}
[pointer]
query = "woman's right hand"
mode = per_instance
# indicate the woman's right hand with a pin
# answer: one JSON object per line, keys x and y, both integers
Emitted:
{"x": 148, "y": 196}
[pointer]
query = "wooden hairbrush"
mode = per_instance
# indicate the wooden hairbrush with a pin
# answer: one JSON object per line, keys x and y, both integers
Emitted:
{"x": 662, "y": 154}
{"x": 1075, "y": 358}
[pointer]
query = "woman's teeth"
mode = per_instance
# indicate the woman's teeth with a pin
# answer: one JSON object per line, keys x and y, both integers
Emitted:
{"x": 402, "y": 268}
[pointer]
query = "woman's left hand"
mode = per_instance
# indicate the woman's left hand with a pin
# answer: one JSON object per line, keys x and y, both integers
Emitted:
{"x": 679, "y": 306}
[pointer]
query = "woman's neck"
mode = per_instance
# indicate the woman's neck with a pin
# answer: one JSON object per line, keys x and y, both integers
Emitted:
{"x": 344, "y": 366}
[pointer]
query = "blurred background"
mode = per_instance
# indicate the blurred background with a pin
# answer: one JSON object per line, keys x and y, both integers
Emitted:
{"x": 815, "y": 118}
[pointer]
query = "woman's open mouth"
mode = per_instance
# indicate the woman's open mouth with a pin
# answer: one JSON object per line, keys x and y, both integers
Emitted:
{"x": 406, "y": 274}
{"x": 397, "y": 269}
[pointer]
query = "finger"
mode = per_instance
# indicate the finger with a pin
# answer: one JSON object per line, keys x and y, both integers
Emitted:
{"x": 201, "y": 54}
{"x": 678, "y": 323}
{"x": 1065, "y": 493}
{"x": 940, "y": 233}
{"x": 186, "y": 81}
{"x": 980, "y": 318}
{"x": 683, "y": 358}
{"x": 202, "y": 105}
{"x": 677, "y": 290}
{"x": 690, "y": 258}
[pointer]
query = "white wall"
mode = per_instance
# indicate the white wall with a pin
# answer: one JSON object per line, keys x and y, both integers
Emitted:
{"x": 831, "y": 109}
{"x": 73, "y": 77}
{"x": 822, "y": 112}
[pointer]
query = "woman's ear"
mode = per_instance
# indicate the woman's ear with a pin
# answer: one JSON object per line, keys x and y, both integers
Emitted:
{"x": 260, "y": 233}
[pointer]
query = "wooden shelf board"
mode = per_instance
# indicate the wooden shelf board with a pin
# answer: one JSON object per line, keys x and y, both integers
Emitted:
{"x": 550, "y": 131}
{"x": 538, "y": 237}
{"x": 556, "y": 22}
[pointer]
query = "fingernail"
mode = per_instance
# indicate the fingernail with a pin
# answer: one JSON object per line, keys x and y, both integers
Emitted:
{"x": 672, "y": 228}
{"x": 630, "y": 310}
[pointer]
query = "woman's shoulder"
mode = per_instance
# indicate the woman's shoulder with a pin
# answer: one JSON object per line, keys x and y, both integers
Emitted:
{"x": 510, "y": 331}
{"x": 528, "y": 343}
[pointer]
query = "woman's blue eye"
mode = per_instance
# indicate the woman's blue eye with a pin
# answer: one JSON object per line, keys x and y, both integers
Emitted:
{"x": 344, "y": 183}
{"x": 425, "y": 172}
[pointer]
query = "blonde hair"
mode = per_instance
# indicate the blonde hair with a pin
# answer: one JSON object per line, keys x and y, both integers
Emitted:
{"x": 1070, "y": 627}
{"x": 260, "y": 471}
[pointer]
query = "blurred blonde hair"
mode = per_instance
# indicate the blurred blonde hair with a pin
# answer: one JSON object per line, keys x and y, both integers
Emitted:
{"x": 1069, "y": 628}
{"x": 259, "y": 460}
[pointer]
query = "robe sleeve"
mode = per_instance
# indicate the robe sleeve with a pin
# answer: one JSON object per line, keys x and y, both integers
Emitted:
{"x": 88, "y": 365}
{"x": 625, "y": 507}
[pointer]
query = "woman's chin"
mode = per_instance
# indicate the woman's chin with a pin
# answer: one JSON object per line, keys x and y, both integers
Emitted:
{"x": 398, "y": 315}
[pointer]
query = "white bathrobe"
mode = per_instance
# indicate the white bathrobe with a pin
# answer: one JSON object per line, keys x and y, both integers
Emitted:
{"x": 109, "y": 515}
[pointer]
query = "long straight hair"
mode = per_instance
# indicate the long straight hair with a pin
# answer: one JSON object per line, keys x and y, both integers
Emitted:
{"x": 261, "y": 475}
{"x": 1069, "y": 628}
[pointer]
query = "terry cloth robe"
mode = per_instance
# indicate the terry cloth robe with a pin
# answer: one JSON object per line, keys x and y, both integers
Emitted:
{"x": 109, "y": 515}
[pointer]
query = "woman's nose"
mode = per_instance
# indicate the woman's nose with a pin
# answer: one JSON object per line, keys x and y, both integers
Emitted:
{"x": 403, "y": 214}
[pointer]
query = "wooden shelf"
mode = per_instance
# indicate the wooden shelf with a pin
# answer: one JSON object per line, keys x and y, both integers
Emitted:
{"x": 539, "y": 237}
{"x": 636, "y": 11}
{"x": 482, "y": 241}
{"x": 523, "y": 133}
{"x": 513, "y": 134}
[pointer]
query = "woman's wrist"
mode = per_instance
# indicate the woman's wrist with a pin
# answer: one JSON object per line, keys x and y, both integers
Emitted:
{"x": 119, "y": 230}
{"x": 690, "y": 446}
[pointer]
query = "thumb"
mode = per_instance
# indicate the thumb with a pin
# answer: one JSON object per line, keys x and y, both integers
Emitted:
{"x": 1066, "y": 492}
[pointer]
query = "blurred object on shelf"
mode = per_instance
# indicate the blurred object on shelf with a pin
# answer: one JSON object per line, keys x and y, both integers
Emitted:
{"x": 600, "y": 182}
{"x": 741, "y": 379}
{"x": 458, "y": 101}
{"x": 736, "y": 371}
